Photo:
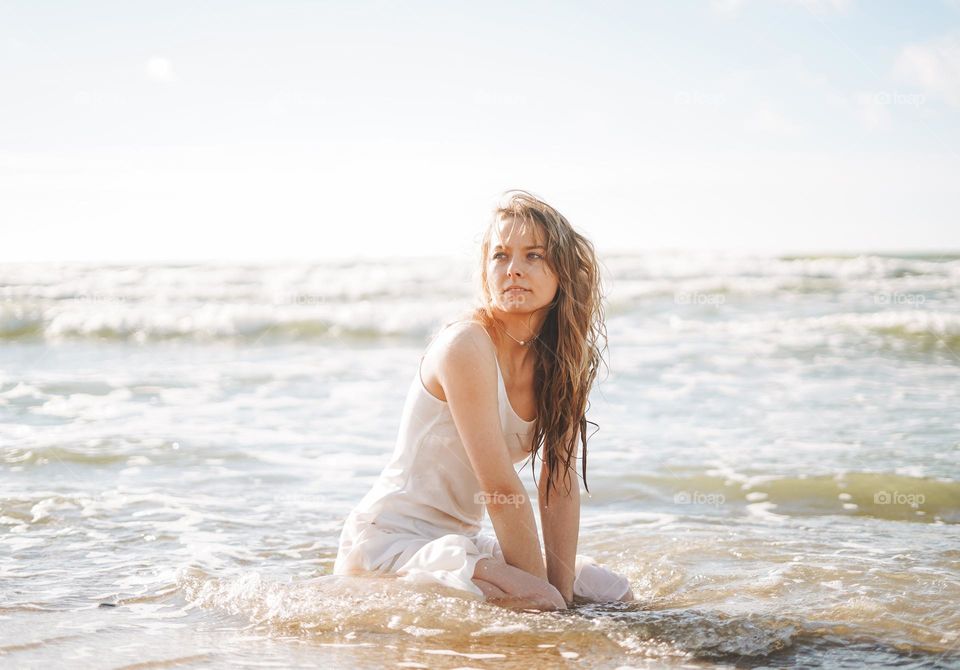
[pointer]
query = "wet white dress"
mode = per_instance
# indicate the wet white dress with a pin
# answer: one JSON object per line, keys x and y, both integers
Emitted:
{"x": 421, "y": 520}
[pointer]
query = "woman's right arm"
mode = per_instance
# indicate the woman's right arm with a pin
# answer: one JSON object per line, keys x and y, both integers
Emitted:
{"x": 468, "y": 374}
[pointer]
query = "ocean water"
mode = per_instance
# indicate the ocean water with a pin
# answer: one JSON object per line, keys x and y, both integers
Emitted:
{"x": 777, "y": 466}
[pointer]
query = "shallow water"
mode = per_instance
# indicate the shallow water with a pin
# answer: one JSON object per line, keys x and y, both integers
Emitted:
{"x": 777, "y": 468}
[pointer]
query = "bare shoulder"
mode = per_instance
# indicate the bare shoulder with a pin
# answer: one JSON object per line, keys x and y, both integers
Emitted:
{"x": 464, "y": 338}
{"x": 461, "y": 352}
{"x": 463, "y": 348}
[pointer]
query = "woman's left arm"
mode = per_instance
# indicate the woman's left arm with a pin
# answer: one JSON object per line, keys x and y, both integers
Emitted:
{"x": 561, "y": 529}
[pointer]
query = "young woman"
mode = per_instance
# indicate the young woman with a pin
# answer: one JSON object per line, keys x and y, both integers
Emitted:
{"x": 507, "y": 383}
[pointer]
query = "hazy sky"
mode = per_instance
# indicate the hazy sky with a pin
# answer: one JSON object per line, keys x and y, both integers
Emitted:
{"x": 300, "y": 130}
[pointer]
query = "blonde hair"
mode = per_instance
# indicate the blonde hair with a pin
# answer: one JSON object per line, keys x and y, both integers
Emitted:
{"x": 572, "y": 340}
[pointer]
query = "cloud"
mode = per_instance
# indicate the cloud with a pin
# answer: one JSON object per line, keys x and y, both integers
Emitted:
{"x": 870, "y": 110}
{"x": 727, "y": 7}
{"x": 933, "y": 66}
{"x": 733, "y": 7}
{"x": 768, "y": 120}
{"x": 823, "y": 6}
{"x": 490, "y": 98}
{"x": 160, "y": 69}
{"x": 876, "y": 109}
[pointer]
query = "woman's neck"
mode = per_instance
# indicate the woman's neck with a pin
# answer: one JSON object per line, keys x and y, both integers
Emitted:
{"x": 516, "y": 337}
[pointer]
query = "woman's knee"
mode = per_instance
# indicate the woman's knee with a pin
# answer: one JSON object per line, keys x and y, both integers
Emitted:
{"x": 598, "y": 583}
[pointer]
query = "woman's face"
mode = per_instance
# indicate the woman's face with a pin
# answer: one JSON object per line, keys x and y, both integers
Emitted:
{"x": 516, "y": 258}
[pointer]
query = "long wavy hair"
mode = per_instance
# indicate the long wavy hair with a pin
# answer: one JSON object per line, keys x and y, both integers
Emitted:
{"x": 572, "y": 341}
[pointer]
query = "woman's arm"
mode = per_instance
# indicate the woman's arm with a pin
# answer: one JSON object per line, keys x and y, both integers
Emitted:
{"x": 516, "y": 529}
{"x": 561, "y": 529}
{"x": 468, "y": 374}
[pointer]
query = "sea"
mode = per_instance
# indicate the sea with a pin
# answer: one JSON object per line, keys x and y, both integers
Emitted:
{"x": 775, "y": 466}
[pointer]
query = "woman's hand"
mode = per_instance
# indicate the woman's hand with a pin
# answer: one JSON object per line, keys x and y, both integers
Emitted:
{"x": 552, "y": 600}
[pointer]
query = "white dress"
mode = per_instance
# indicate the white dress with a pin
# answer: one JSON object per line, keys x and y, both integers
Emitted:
{"x": 421, "y": 520}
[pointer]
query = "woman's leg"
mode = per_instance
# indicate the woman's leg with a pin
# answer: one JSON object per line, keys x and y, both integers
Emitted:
{"x": 508, "y": 586}
{"x": 597, "y": 583}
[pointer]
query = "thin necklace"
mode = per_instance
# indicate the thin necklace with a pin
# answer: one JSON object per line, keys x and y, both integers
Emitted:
{"x": 522, "y": 343}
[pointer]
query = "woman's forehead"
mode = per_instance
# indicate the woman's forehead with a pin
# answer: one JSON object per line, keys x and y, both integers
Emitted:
{"x": 513, "y": 231}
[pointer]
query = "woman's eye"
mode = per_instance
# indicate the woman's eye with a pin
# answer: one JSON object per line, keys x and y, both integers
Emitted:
{"x": 533, "y": 254}
{"x": 499, "y": 255}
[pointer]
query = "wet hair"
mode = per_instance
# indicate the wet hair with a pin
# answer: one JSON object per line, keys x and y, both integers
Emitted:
{"x": 572, "y": 340}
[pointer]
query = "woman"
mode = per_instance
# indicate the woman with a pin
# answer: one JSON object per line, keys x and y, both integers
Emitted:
{"x": 509, "y": 382}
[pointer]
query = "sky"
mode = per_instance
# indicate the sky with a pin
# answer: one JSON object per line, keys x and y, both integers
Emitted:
{"x": 272, "y": 131}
